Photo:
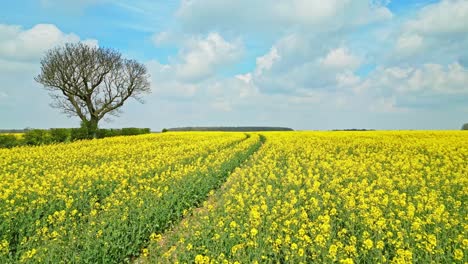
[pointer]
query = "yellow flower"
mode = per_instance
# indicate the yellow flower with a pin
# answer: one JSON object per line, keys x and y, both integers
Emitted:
{"x": 28, "y": 255}
{"x": 368, "y": 244}
{"x": 458, "y": 254}
{"x": 233, "y": 224}
{"x": 253, "y": 232}
{"x": 200, "y": 259}
{"x": 155, "y": 237}
{"x": 347, "y": 261}
{"x": 293, "y": 246}
{"x": 320, "y": 240}
{"x": 4, "y": 247}
{"x": 380, "y": 244}
{"x": 309, "y": 193}
{"x": 332, "y": 251}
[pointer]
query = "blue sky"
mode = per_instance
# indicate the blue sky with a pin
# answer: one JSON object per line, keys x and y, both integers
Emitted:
{"x": 305, "y": 64}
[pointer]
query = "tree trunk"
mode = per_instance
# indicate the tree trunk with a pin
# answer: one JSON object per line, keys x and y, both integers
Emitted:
{"x": 91, "y": 126}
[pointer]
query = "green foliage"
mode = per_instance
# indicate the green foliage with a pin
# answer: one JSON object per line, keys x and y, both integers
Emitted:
{"x": 103, "y": 133}
{"x": 164, "y": 130}
{"x": 37, "y": 137}
{"x": 60, "y": 134}
{"x": 79, "y": 134}
{"x": 128, "y": 131}
{"x": 465, "y": 126}
{"x": 90, "y": 126}
{"x": 9, "y": 141}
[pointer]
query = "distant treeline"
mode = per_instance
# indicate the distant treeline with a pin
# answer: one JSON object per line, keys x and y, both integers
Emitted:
{"x": 229, "y": 129}
{"x": 11, "y": 131}
{"x": 354, "y": 129}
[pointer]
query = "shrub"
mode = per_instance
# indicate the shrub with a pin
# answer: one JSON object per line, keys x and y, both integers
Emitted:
{"x": 79, "y": 133}
{"x": 103, "y": 133}
{"x": 9, "y": 141}
{"x": 37, "y": 137}
{"x": 128, "y": 131}
{"x": 465, "y": 126}
{"x": 60, "y": 134}
{"x": 164, "y": 130}
{"x": 113, "y": 132}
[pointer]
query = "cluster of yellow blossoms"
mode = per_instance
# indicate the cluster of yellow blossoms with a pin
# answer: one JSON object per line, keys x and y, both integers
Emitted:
{"x": 99, "y": 201}
{"x": 334, "y": 197}
{"x": 303, "y": 197}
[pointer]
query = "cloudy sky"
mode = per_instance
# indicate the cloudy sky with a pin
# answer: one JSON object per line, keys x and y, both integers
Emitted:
{"x": 305, "y": 64}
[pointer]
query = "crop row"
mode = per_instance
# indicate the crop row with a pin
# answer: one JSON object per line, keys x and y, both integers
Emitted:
{"x": 99, "y": 201}
{"x": 339, "y": 197}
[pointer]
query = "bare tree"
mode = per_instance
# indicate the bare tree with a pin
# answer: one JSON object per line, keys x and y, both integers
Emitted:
{"x": 91, "y": 82}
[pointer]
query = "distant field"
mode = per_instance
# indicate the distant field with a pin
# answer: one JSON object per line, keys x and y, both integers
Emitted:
{"x": 18, "y": 135}
{"x": 214, "y": 197}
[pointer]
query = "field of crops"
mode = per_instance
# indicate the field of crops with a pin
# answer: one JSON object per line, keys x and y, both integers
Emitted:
{"x": 287, "y": 197}
{"x": 17, "y": 135}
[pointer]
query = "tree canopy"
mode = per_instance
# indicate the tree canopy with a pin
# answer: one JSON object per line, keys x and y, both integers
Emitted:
{"x": 91, "y": 82}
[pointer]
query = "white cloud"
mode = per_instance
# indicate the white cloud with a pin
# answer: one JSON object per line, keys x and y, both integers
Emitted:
{"x": 347, "y": 79}
{"x": 439, "y": 30}
{"x": 398, "y": 73}
{"x": 298, "y": 63}
{"x": 165, "y": 82}
{"x": 444, "y": 17}
{"x": 435, "y": 78}
{"x": 386, "y": 105}
{"x": 409, "y": 43}
{"x": 396, "y": 89}
{"x": 168, "y": 38}
{"x": 331, "y": 13}
{"x": 17, "y": 44}
{"x": 195, "y": 66}
{"x": 266, "y": 61}
{"x": 161, "y": 38}
{"x": 247, "y": 78}
{"x": 329, "y": 80}
{"x": 340, "y": 58}
{"x": 267, "y": 16}
{"x": 201, "y": 56}
{"x": 429, "y": 88}
{"x": 308, "y": 12}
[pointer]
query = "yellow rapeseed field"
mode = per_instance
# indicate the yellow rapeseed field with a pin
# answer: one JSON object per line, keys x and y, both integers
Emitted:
{"x": 213, "y": 197}
{"x": 17, "y": 135}
{"x": 98, "y": 201}
{"x": 335, "y": 197}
